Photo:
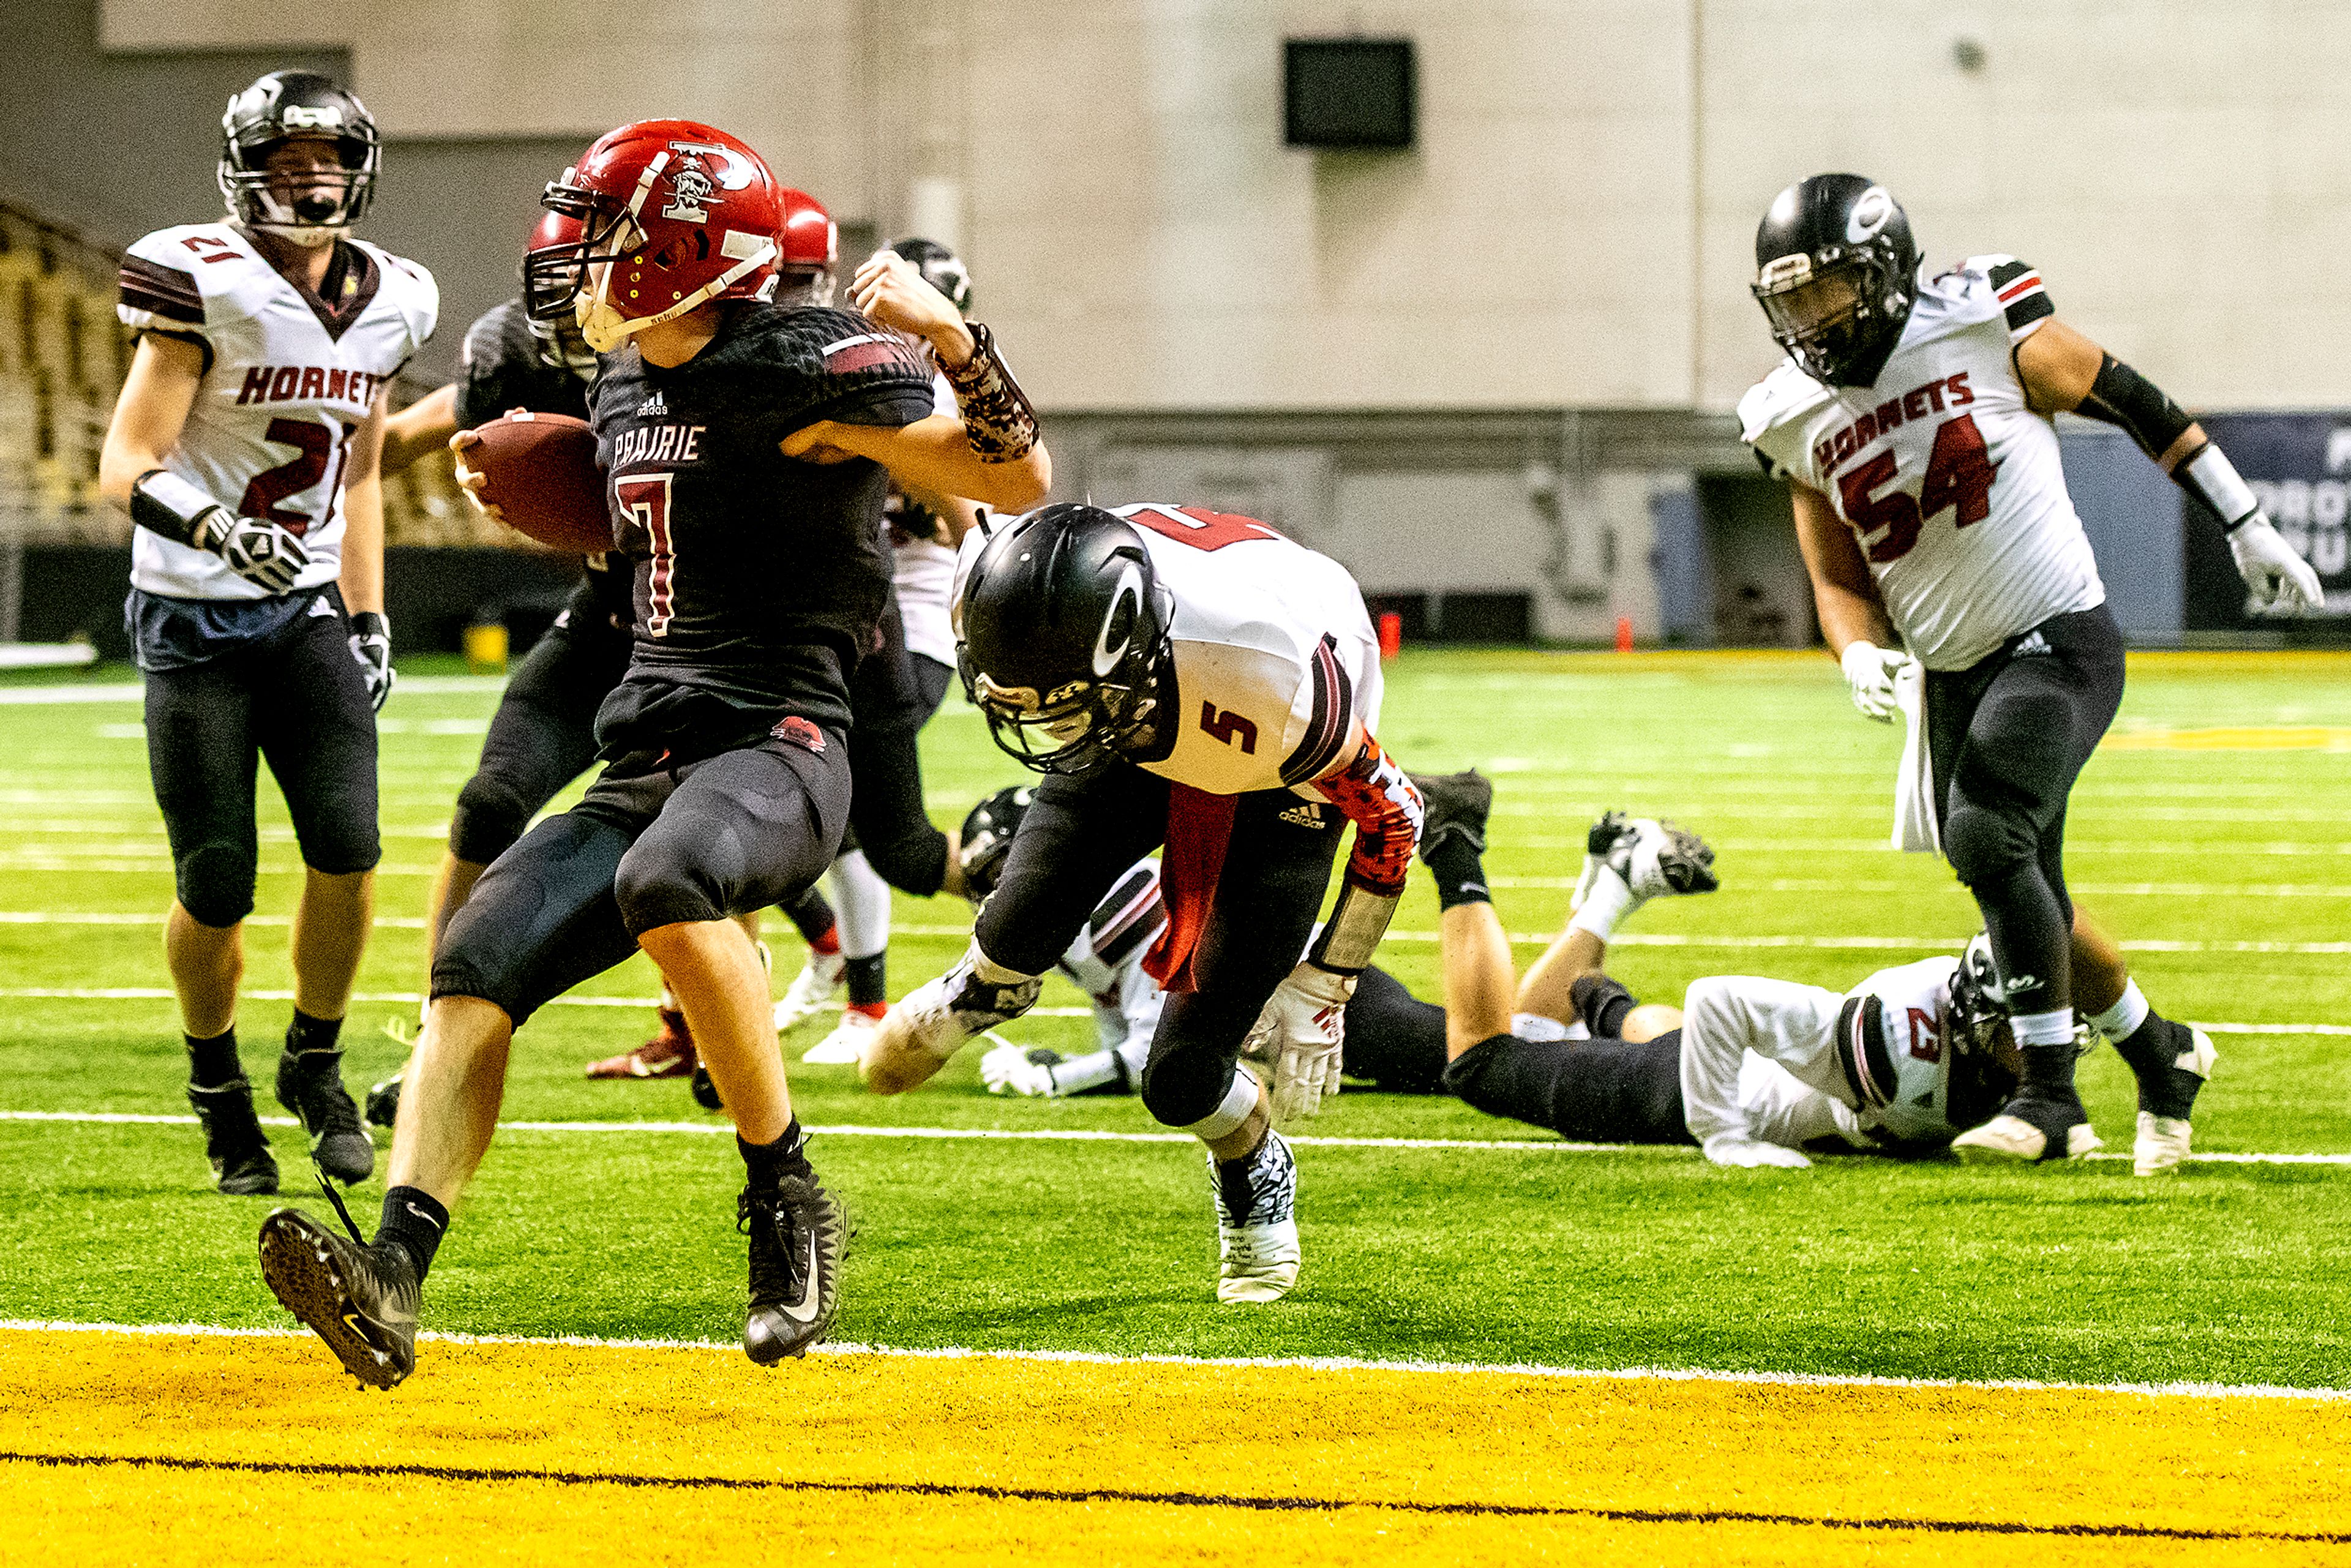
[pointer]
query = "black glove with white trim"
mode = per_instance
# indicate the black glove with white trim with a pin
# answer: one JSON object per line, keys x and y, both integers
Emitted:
{"x": 371, "y": 646}
{"x": 256, "y": 549}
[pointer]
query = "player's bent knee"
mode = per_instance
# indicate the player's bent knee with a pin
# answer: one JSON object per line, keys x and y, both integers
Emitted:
{"x": 1985, "y": 845}
{"x": 657, "y": 889}
{"x": 1196, "y": 1102}
{"x": 914, "y": 862}
{"x": 1649, "y": 1020}
{"x": 491, "y": 815}
{"x": 215, "y": 884}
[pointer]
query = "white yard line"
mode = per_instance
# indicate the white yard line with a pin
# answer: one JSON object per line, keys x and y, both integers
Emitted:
{"x": 716, "y": 1128}
{"x": 1273, "y": 1362}
{"x": 2097, "y": 889}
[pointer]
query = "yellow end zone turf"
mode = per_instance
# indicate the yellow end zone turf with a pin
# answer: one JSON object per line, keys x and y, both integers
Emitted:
{"x": 170, "y": 1448}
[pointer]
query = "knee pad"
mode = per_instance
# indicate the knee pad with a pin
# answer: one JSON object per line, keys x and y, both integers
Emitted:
{"x": 1179, "y": 1095}
{"x": 913, "y": 862}
{"x": 491, "y": 815}
{"x": 215, "y": 884}
{"x": 1986, "y": 844}
{"x": 654, "y": 889}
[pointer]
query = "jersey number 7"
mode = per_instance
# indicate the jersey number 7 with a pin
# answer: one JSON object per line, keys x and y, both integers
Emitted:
{"x": 1960, "y": 472}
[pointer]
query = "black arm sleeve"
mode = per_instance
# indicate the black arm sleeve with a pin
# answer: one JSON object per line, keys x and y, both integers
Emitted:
{"x": 2122, "y": 397}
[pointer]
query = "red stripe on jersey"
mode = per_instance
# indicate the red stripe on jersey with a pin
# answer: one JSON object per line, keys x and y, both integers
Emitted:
{"x": 864, "y": 354}
{"x": 2022, "y": 286}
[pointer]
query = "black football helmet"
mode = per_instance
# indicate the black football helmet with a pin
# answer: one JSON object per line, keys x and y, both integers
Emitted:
{"x": 986, "y": 838}
{"x": 1836, "y": 272}
{"x": 310, "y": 207}
{"x": 1061, "y": 630}
{"x": 1979, "y": 1009}
{"x": 942, "y": 268}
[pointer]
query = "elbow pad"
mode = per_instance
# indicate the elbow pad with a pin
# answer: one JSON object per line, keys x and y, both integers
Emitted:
{"x": 2121, "y": 396}
{"x": 163, "y": 503}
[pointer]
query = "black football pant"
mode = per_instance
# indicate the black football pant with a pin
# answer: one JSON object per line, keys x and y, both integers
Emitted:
{"x": 1586, "y": 1091}
{"x": 1080, "y": 835}
{"x": 891, "y": 696}
{"x": 2006, "y": 739}
{"x": 543, "y": 735}
{"x": 1395, "y": 1042}
{"x": 648, "y": 846}
{"x": 295, "y": 699}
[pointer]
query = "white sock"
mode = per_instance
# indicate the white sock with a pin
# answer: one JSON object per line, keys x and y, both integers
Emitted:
{"x": 2052, "y": 1028}
{"x": 2121, "y": 1022}
{"x": 1605, "y": 904}
{"x": 861, "y": 906}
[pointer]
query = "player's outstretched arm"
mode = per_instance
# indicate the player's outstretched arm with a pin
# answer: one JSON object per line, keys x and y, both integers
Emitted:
{"x": 1852, "y": 616}
{"x": 361, "y": 575}
{"x": 424, "y": 425}
{"x": 2064, "y": 372}
{"x": 993, "y": 453}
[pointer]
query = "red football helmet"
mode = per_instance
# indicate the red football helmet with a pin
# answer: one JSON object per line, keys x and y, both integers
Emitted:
{"x": 811, "y": 243}
{"x": 673, "y": 215}
{"x": 547, "y": 310}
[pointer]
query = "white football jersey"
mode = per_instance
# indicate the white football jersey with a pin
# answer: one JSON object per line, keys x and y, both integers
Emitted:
{"x": 924, "y": 573}
{"x": 1106, "y": 962}
{"x": 1879, "y": 1048}
{"x": 1950, "y": 483}
{"x": 1275, "y": 657}
{"x": 288, "y": 382}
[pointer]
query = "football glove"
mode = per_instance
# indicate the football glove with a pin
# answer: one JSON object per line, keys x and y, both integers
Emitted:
{"x": 1006, "y": 1070}
{"x": 256, "y": 549}
{"x": 2278, "y": 579}
{"x": 1304, "y": 1029}
{"x": 371, "y": 646}
{"x": 1869, "y": 671}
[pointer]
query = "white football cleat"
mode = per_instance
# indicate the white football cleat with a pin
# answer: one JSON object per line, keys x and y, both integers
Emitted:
{"x": 1655, "y": 859}
{"x": 935, "y": 1020}
{"x": 1257, "y": 1248}
{"x": 845, "y": 1046}
{"x": 2012, "y": 1140}
{"x": 818, "y": 979}
{"x": 2162, "y": 1144}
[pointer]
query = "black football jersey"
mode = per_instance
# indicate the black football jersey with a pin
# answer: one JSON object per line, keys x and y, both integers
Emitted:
{"x": 762, "y": 578}
{"x": 498, "y": 369}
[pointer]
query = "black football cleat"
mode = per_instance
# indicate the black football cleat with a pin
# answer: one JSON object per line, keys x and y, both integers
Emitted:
{"x": 798, "y": 1233}
{"x": 233, "y": 1141}
{"x": 1454, "y": 803}
{"x": 382, "y": 1108}
{"x": 310, "y": 1084}
{"x": 706, "y": 1091}
{"x": 361, "y": 1300}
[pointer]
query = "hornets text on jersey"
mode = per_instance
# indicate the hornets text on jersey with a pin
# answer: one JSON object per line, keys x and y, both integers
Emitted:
{"x": 759, "y": 578}
{"x": 1950, "y": 483}
{"x": 289, "y": 379}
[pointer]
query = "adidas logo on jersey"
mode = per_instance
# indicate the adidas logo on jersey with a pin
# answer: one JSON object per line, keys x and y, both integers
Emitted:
{"x": 2034, "y": 643}
{"x": 656, "y": 406}
{"x": 1305, "y": 815}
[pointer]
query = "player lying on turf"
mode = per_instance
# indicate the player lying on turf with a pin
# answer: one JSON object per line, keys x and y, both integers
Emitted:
{"x": 1189, "y": 678}
{"x": 1913, "y": 420}
{"x": 743, "y": 444}
{"x": 1758, "y": 1071}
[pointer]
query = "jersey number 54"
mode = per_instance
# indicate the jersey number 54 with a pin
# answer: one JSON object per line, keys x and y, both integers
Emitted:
{"x": 1960, "y": 472}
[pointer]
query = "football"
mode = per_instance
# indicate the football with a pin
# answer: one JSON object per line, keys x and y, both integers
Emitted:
{"x": 539, "y": 478}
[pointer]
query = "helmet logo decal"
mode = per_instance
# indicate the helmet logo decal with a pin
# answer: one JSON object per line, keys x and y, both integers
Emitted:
{"x": 1129, "y": 587}
{"x": 692, "y": 192}
{"x": 722, "y": 164}
{"x": 1871, "y": 212}
{"x": 325, "y": 117}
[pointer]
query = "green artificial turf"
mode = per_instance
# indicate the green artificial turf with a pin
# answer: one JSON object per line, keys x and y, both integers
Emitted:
{"x": 2231, "y": 1272}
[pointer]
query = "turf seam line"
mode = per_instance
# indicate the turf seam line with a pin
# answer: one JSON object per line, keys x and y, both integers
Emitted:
{"x": 1254, "y": 1364}
{"x": 1101, "y": 1136}
{"x": 986, "y": 1492}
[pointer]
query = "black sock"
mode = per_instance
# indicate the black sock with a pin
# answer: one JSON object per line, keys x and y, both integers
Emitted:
{"x": 2049, "y": 1068}
{"x": 2152, "y": 1047}
{"x": 809, "y": 913}
{"x": 306, "y": 1034}
{"x": 213, "y": 1063}
{"x": 769, "y": 1163}
{"x": 1460, "y": 871}
{"x": 869, "y": 979}
{"x": 413, "y": 1222}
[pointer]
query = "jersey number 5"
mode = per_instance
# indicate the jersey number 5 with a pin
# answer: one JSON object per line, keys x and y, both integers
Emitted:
{"x": 1229, "y": 727}
{"x": 1201, "y": 529}
{"x": 643, "y": 499}
{"x": 1960, "y": 472}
